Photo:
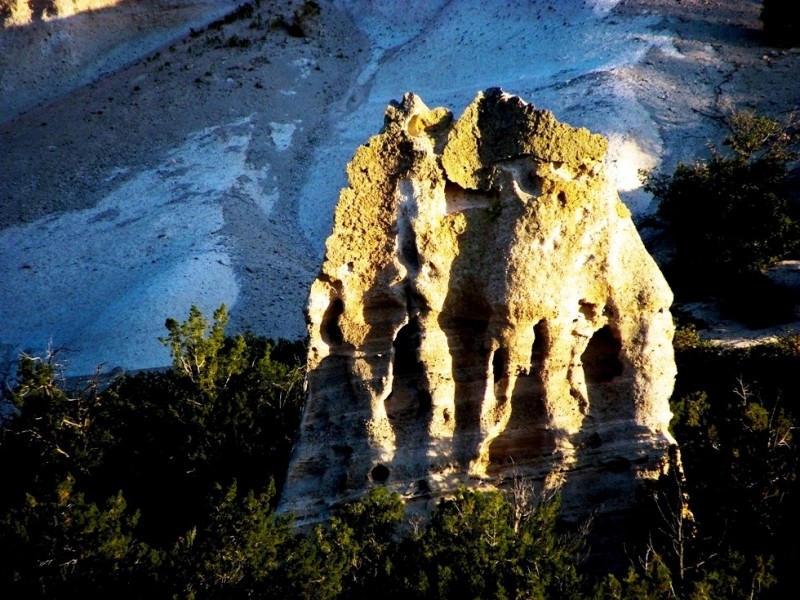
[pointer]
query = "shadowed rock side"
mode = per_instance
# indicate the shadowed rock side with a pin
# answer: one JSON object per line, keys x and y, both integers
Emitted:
{"x": 485, "y": 310}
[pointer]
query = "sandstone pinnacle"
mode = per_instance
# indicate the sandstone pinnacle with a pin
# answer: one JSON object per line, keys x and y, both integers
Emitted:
{"x": 486, "y": 310}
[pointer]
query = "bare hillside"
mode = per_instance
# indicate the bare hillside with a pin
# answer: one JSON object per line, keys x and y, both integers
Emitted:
{"x": 150, "y": 161}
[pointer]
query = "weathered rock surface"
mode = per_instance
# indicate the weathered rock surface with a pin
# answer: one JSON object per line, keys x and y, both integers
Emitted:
{"x": 485, "y": 310}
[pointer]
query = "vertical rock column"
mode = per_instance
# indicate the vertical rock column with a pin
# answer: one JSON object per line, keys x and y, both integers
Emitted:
{"x": 485, "y": 309}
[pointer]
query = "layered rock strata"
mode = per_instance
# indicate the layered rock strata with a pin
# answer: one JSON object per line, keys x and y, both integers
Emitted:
{"x": 486, "y": 310}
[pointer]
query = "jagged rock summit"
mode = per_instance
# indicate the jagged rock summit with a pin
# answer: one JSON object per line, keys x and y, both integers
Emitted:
{"x": 485, "y": 310}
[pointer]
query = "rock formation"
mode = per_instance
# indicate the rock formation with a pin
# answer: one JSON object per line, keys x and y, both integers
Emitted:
{"x": 485, "y": 310}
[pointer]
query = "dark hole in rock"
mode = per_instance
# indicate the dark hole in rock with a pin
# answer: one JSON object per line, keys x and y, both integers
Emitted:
{"x": 499, "y": 364}
{"x": 588, "y": 310}
{"x": 594, "y": 441}
{"x": 539, "y": 344}
{"x": 408, "y": 245}
{"x": 425, "y": 402}
{"x": 601, "y": 361}
{"x": 408, "y": 397}
{"x": 331, "y": 332}
{"x": 406, "y": 344}
{"x": 617, "y": 464}
{"x": 379, "y": 473}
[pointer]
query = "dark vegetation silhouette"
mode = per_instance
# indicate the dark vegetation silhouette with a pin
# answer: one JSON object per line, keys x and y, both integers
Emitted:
{"x": 164, "y": 484}
{"x": 781, "y": 19}
{"x": 730, "y": 218}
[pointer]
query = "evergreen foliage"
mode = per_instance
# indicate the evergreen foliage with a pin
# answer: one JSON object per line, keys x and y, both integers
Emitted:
{"x": 730, "y": 219}
{"x": 102, "y": 485}
{"x": 478, "y": 546}
{"x": 735, "y": 417}
{"x": 164, "y": 484}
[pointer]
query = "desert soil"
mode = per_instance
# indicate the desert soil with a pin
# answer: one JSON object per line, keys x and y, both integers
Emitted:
{"x": 203, "y": 166}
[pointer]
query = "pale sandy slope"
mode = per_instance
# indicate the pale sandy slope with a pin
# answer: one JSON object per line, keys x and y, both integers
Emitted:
{"x": 59, "y": 45}
{"x": 208, "y": 174}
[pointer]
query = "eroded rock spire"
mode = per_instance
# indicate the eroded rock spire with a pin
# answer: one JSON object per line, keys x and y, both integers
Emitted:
{"x": 485, "y": 310}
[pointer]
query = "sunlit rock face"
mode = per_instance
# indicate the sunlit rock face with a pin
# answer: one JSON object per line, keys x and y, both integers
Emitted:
{"x": 485, "y": 310}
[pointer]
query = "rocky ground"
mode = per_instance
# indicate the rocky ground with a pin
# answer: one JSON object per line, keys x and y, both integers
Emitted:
{"x": 165, "y": 184}
{"x": 203, "y": 165}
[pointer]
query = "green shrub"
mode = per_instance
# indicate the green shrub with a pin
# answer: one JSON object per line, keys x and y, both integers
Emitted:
{"x": 297, "y": 26}
{"x": 161, "y": 485}
{"x": 730, "y": 218}
{"x": 489, "y": 545}
{"x": 735, "y": 419}
{"x": 120, "y": 490}
{"x": 235, "y": 41}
